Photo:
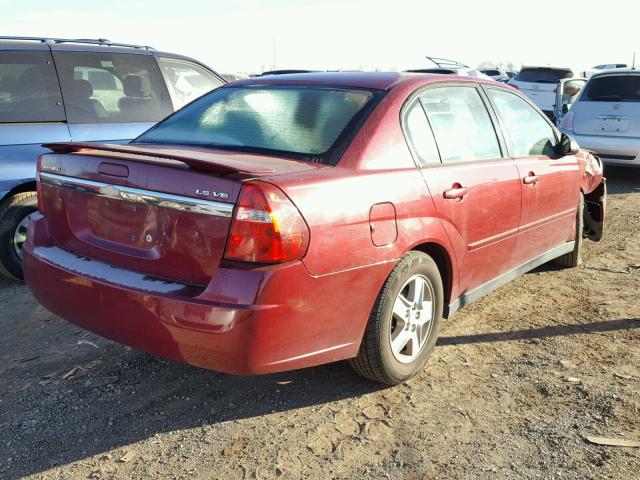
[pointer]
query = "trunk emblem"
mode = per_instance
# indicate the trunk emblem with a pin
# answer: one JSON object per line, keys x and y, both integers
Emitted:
{"x": 616, "y": 106}
{"x": 148, "y": 238}
{"x": 206, "y": 193}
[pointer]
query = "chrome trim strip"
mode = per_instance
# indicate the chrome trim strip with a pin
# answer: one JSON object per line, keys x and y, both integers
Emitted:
{"x": 147, "y": 197}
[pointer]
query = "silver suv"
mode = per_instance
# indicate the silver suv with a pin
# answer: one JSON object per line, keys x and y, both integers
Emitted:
{"x": 60, "y": 90}
{"x": 605, "y": 117}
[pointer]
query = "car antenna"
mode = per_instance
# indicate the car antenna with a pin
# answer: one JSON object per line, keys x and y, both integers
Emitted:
{"x": 634, "y": 61}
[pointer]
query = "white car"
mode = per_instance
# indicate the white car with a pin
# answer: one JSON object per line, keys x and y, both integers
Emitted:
{"x": 444, "y": 66}
{"x": 496, "y": 74}
{"x": 539, "y": 84}
{"x": 600, "y": 68}
{"x": 605, "y": 117}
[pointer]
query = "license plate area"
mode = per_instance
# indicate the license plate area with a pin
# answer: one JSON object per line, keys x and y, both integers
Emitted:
{"x": 612, "y": 124}
{"x": 126, "y": 223}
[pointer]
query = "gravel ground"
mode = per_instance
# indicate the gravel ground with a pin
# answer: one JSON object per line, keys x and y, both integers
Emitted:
{"x": 519, "y": 379}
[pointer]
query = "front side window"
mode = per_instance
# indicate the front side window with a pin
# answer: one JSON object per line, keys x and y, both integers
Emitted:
{"x": 29, "y": 90}
{"x": 420, "y": 135}
{"x": 112, "y": 88}
{"x": 304, "y": 121}
{"x": 528, "y": 133}
{"x": 461, "y": 124}
{"x": 187, "y": 81}
{"x": 613, "y": 88}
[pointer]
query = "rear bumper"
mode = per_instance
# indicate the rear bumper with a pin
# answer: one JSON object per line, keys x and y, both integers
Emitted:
{"x": 611, "y": 149}
{"x": 251, "y": 321}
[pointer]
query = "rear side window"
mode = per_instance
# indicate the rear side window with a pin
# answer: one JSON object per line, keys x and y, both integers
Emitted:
{"x": 461, "y": 124}
{"x": 300, "y": 121}
{"x": 112, "y": 88}
{"x": 491, "y": 72}
{"x": 29, "y": 90}
{"x": 543, "y": 75}
{"x": 420, "y": 135}
{"x": 528, "y": 133}
{"x": 622, "y": 88}
{"x": 187, "y": 81}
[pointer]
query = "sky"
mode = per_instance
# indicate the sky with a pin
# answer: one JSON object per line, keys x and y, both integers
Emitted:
{"x": 250, "y": 36}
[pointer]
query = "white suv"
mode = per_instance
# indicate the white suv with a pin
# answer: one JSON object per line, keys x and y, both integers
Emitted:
{"x": 539, "y": 84}
{"x": 605, "y": 117}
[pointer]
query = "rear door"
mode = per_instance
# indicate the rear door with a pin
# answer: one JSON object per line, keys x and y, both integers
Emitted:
{"x": 609, "y": 106}
{"x": 31, "y": 113}
{"x": 111, "y": 96}
{"x": 550, "y": 185}
{"x": 567, "y": 93}
{"x": 475, "y": 190}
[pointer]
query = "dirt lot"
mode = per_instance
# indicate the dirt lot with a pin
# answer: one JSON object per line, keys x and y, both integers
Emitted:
{"x": 517, "y": 382}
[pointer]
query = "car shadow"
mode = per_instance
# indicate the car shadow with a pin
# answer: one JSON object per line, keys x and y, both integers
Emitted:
{"x": 130, "y": 396}
{"x": 622, "y": 180}
{"x": 542, "y": 332}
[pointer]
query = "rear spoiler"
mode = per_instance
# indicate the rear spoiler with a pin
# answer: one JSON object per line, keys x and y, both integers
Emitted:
{"x": 202, "y": 161}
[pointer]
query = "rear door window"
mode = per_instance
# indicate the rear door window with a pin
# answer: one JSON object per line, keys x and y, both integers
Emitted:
{"x": 29, "y": 90}
{"x": 461, "y": 124}
{"x": 420, "y": 135}
{"x": 543, "y": 75}
{"x": 528, "y": 133}
{"x": 112, "y": 88}
{"x": 614, "y": 88}
{"x": 187, "y": 81}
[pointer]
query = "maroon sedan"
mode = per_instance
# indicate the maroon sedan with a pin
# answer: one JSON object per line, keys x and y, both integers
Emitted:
{"x": 288, "y": 221}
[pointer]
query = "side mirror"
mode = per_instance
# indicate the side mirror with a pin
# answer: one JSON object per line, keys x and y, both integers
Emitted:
{"x": 567, "y": 145}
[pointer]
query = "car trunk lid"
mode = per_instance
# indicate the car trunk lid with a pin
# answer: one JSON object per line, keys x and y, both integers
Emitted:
{"x": 160, "y": 210}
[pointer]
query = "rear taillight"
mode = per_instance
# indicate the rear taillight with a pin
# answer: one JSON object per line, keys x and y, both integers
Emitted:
{"x": 567, "y": 121}
{"x": 267, "y": 227}
{"x": 39, "y": 187}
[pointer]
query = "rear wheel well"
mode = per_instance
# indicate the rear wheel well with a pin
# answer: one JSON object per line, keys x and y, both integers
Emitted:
{"x": 443, "y": 261}
{"x": 23, "y": 187}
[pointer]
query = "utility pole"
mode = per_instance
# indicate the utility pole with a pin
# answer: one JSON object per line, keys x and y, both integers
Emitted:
{"x": 274, "y": 51}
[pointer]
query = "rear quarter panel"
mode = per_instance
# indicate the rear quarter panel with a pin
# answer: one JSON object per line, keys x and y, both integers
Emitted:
{"x": 20, "y": 146}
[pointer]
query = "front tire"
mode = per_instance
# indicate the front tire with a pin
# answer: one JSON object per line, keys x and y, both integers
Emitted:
{"x": 404, "y": 323}
{"x": 573, "y": 259}
{"x": 14, "y": 214}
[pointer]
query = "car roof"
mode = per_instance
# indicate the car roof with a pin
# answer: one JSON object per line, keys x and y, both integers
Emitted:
{"x": 367, "y": 80}
{"x": 543, "y": 67}
{"x": 36, "y": 44}
{"x": 616, "y": 71}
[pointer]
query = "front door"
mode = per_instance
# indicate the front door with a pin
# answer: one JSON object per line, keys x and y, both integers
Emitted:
{"x": 550, "y": 185}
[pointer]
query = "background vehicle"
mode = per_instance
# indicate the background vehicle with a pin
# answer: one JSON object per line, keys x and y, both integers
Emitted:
{"x": 605, "y": 117}
{"x": 567, "y": 92}
{"x": 55, "y": 90}
{"x": 450, "y": 67}
{"x": 539, "y": 84}
{"x": 224, "y": 237}
{"x": 607, "y": 66}
{"x": 496, "y": 74}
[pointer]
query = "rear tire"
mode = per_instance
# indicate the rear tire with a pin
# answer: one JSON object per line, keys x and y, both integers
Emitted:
{"x": 13, "y": 214}
{"x": 573, "y": 259}
{"x": 401, "y": 312}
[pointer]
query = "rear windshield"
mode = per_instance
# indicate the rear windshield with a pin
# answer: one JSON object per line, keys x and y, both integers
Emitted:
{"x": 623, "y": 88}
{"x": 543, "y": 75}
{"x": 304, "y": 122}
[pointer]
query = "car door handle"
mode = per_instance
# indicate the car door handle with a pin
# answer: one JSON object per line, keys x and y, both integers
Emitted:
{"x": 457, "y": 192}
{"x": 530, "y": 179}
